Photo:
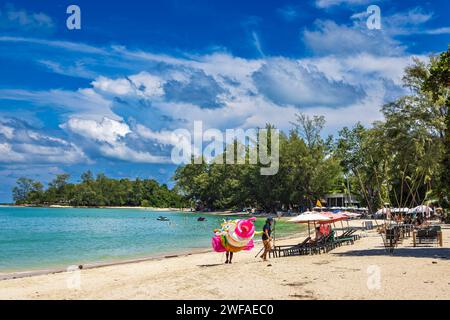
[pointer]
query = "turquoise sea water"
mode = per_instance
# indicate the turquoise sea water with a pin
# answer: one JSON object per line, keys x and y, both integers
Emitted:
{"x": 38, "y": 238}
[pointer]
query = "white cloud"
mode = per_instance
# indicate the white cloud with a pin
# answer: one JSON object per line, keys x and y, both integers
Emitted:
{"x": 107, "y": 130}
{"x": 444, "y": 30}
{"x": 77, "y": 69}
{"x": 331, "y": 3}
{"x": 51, "y": 154}
{"x": 410, "y": 22}
{"x": 12, "y": 19}
{"x": 257, "y": 43}
{"x": 84, "y": 102}
{"x": 26, "y": 145}
{"x": 142, "y": 84}
{"x": 147, "y": 84}
{"x": 8, "y": 155}
{"x": 330, "y": 38}
{"x": 362, "y": 68}
{"x": 123, "y": 152}
{"x": 65, "y": 45}
{"x": 164, "y": 137}
{"x": 288, "y": 82}
{"x": 7, "y": 131}
{"x": 288, "y": 13}
{"x": 118, "y": 87}
{"x": 110, "y": 138}
{"x": 131, "y": 118}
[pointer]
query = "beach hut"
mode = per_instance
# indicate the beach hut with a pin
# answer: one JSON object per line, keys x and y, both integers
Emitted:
{"x": 309, "y": 217}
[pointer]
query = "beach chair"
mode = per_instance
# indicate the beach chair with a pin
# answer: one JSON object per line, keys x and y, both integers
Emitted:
{"x": 349, "y": 233}
{"x": 293, "y": 250}
{"x": 325, "y": 244}
{"x": 429, "y": 235}
{"x": 391, "y": 238}
{"x": 344, "y": 238}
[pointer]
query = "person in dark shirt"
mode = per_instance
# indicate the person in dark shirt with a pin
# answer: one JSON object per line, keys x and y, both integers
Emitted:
{"x": 266, "y": 238}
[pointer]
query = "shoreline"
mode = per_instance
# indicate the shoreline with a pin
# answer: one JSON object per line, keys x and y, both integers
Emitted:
{"x": 95, "y": 265}
{"x": 55, "y": 206}
{"x": 157, "y": 209}
{"x": 125, "y": 261}
{"x": 183, "y": 210}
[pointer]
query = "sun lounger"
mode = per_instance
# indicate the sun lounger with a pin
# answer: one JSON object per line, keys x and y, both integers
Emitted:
{"x": 324, "y": 244}
{"x": 349, "y": 233}
{"x": 344, "y": 239}
{"x": 293, "y": 250}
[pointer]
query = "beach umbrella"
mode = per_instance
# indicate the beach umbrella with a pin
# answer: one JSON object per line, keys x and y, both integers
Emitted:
{"x": 333, "y": 217}
{"x": 399, "y": 210}
{"x": 350, "y": 214}
{"x": 423, "y": 209}
{"x": 309, "y": 217}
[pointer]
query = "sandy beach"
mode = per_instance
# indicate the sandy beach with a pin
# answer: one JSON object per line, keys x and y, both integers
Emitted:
{"x": 360, "y": 271}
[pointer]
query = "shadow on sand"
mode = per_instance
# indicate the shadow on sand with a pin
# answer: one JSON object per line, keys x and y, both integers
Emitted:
{"x": 424, "y": 252}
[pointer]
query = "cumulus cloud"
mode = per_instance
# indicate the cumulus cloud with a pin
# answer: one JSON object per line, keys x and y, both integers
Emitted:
{"x": 8, "y": 155}
{"x": 287, "y": 82}
{"x": 109, "y": 137}
{"x": 131, "y": 117}
{"x": 19, "y": 143}
{"x": 142, "y": 85}
{"x": 107, "y": 130}
{"x": 200, "y": 89}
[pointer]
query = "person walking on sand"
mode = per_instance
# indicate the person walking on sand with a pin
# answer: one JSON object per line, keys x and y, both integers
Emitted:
{"x": 266, "y": 238}
{"x": 229, "y": 256}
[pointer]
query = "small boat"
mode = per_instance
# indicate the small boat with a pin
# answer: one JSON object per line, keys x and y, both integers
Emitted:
{"x": 162, "y": 218}
{"x": 201, "y": 219}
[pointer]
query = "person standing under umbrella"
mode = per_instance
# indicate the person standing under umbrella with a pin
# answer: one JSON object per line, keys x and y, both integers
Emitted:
{"x": 266, "y": 237}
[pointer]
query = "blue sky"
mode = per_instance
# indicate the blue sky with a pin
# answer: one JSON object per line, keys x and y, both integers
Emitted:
{"x": 108, "y": 96}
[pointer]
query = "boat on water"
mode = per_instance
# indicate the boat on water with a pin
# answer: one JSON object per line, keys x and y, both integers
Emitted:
{"x": 201, "y": 219}
{"x": 162, "y": 218}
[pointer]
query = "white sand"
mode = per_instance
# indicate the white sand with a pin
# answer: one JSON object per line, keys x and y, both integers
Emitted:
{"x": 344, "y": 273}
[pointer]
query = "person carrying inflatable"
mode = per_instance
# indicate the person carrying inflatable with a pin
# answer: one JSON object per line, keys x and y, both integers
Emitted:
{"x": 234, "y": 236}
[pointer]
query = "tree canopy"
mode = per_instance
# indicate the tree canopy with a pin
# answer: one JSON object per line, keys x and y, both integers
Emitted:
{"x": 99, "y": 191}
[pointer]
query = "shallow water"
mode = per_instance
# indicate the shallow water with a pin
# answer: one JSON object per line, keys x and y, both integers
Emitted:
{"x": 38, "y": 238}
